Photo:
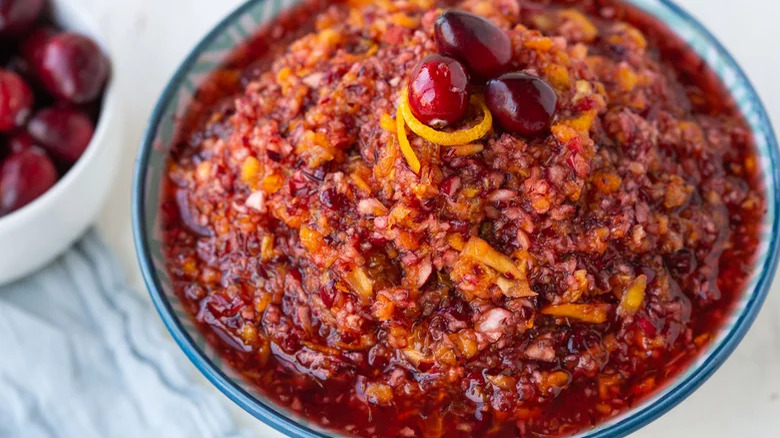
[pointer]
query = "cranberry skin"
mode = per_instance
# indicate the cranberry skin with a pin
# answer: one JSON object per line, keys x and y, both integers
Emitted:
{"x": 72, "y": 67}
{"x": 16, "y": 100}
{"x": 16, "y": 16}
{"x": 483, "y": 46}
{"x": 24, "y": 176}
{"x": 33, "y": 44}
{"x": 522, "y": 104}
{"x": 64, "y": 132}
{"x": 439, "y": 91}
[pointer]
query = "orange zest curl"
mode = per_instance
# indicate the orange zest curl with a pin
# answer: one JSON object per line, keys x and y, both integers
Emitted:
{"x": 403, "y": 141}
{"x": 457, "y": 138}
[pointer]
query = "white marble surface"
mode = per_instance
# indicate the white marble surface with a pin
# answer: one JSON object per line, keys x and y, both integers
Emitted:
{"x": 151, "y": 37}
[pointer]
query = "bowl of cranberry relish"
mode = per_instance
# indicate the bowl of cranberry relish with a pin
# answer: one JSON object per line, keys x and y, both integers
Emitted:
{"x": 475, "y": 218}
{"x": 55, "y": 111}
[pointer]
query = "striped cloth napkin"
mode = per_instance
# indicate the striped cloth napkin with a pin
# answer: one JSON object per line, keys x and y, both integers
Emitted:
{"x": 82, "y": 356}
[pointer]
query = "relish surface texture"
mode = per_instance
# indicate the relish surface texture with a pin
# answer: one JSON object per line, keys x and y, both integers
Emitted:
{"x": 512, "y": 286}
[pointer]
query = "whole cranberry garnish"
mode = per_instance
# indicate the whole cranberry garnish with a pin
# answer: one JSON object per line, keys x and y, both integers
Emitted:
{"x": 523, "y": 104}
{"x": 16, "y": 16}
{"x": 439, "y": 91}
{"x": 65, "y": 132}
{"x": 24, "y": 176}
{"x": 72, "y": 67}
{"x": 16, "y": 100}
{"x": 482, "y": 45}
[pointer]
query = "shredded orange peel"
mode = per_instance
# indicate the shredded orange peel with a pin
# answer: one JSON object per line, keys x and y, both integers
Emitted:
{"x": 403, "y": 141}
{"x": 457, "y": 138}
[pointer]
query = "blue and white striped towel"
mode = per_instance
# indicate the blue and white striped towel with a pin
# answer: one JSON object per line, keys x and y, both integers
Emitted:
{"x": 83, "y": 356}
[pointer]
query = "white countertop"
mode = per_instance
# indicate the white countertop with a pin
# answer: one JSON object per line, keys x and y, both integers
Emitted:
{"x": 150, "y": 38}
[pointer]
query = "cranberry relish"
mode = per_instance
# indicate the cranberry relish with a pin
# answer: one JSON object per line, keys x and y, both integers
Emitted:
{"x": 535, "y": 281}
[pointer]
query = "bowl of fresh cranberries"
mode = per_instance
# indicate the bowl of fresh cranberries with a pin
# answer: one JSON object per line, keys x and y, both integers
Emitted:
{"x": 55, "y": 110}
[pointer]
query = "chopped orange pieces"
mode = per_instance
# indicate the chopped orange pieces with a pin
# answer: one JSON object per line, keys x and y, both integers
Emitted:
{"x": 311, "y": 239}
{"x": 633, "y": 296}
{"x": 416, "y": 357}
{"x": 468, "y": 149}
{"x": 404, "y": 20}
{"x": 360, "y": 283}
{"x": 606, "y": 182}
{"x": 387, "y": 123}
{"x": 541, "y": 43}
{"x": 378, "y": 393}
{"x": 586, "y": 27}
{"x": 481, "y": 251}
{"x": 575, "y": 290}
{"x": 626, "y": 78}
{"x": 455, "y": 240}
{"x": 554, "y": 380}
{"x": 267, "y": 248}
{"x": 272, "y": 183}
{"x": 466, "y": 342}
{"x": 515, "y": 288}
{"x": 592, "y": 313}
{"x": 558, "y": 76}
{"x": 249, "y": 170}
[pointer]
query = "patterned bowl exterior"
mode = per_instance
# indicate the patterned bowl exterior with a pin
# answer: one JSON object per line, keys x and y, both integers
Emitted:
{"x": 255, "y": 14}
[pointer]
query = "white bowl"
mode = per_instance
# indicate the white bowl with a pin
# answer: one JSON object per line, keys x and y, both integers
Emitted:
{"x": 34, "y": 235}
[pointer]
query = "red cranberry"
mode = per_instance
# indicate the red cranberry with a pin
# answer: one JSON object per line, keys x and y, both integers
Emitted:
{"x": 482, "y": 45}
{"x": 16, "y": 16}
{"x": 65, "y": 132}
{"x": 523, "y": 104}
{"x": 33, "y": 44}
{"x": 16, "y": 100}
{"x": 439, "y": 91}
{"x": 24, "y": 176}
{"x": 72, "y": 67}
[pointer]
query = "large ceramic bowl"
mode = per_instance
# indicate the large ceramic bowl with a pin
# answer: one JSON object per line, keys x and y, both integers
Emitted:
{"x": 35, "y": 234}
{"x": 253, "y": 15}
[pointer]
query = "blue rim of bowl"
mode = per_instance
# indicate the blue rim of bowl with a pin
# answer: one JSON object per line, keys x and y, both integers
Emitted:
{"x": 291, "y": 427}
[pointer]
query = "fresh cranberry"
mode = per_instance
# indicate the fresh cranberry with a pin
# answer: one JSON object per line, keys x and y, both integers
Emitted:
{"x": 72, "y": 67}
{"x": 65, "y": 132}
{"x": 16, "y": 100}
{"x": 16, "y": 16}
{"x": 523, "y": 104}
{"x": 482, "y": 45}
{"x": 439, "y": 91}
{"x": 33, "y": 44}
{"x": 24, "y": 176}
